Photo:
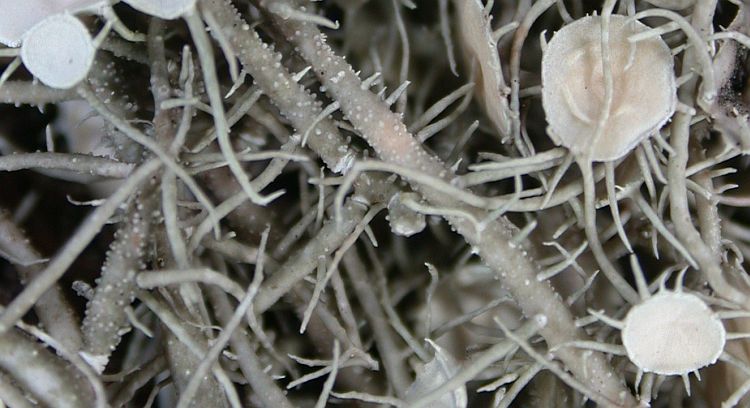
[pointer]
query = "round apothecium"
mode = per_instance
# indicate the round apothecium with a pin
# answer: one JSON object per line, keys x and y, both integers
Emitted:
{"x": 672, "y": 333}
{"x": 166, "y": 9}
{"x": 58, "y": 51}
{"x": 19, "y": 16}
{"x": 644, "y": 89}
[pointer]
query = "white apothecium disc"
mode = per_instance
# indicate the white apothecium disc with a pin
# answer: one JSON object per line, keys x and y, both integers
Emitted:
{"x": 58, "y": 51}
{"x": 18, "y": 16}
{"x": 166, "y": 9}
{"x": 644, "y": 89}
{"x": 673, "y": 333}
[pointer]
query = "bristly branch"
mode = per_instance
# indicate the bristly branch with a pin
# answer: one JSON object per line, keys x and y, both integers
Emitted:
{"x": 372, "y": 139}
